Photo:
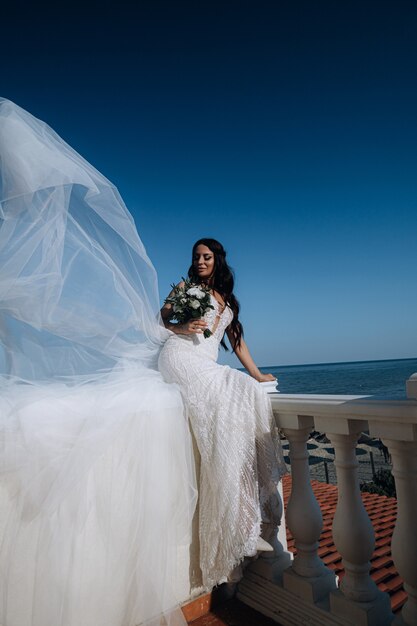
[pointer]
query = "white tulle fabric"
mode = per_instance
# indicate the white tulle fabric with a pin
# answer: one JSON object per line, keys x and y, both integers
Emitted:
{"x": 97, "y": 486}
{"x": 241, "y": 455}
{"x": 77, "y": 289}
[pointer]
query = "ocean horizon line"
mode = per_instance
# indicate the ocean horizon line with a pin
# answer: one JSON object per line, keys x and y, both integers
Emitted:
{"x": 319, "y": 364}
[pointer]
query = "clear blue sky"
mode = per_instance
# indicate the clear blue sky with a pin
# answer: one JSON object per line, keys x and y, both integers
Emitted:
{"x": 287, "y": 130}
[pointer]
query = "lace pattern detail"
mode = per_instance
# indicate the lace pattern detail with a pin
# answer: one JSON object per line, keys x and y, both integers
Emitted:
{"x": 241, "y": 457}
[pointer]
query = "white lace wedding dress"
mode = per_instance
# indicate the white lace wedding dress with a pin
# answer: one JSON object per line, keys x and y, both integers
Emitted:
{"x": 241, "y": 457}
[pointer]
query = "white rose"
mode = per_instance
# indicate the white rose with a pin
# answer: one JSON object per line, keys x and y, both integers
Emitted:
{"x": 195, "y": 304}
{"x": 196, "y": 292}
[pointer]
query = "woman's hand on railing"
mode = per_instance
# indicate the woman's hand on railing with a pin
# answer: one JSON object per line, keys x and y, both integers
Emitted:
{"x": 265, "y": 378}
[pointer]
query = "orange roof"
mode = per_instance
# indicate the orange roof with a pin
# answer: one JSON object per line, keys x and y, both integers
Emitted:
{"x": 383, "y": 513}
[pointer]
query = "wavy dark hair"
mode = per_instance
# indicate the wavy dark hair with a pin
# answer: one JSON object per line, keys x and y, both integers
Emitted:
{"x": 223, "y": 282}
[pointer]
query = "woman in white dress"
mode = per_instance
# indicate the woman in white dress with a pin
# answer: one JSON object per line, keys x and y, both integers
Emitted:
{"x": 97, "y": 483}
{"x": 231, "y": 418}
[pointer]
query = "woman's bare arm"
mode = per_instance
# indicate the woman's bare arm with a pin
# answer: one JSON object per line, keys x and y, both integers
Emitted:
{"x": 244, "y": 356}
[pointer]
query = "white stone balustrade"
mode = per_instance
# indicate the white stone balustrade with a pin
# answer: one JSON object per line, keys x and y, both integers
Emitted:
{"x": 297, "y": 598}
{"x": 308, "y": 577}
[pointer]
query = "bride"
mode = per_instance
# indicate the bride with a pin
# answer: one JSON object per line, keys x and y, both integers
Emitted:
{"x": 231, "y": 418}
{"x": 98, "y": 489}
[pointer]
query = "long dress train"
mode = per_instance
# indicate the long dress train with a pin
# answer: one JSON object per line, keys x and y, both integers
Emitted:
{"x": 97, "y": 485}
{"x": 241, "y": 457}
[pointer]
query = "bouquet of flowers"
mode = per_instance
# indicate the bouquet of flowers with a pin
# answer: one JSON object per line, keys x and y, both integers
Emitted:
{"x": 190, "y": 301}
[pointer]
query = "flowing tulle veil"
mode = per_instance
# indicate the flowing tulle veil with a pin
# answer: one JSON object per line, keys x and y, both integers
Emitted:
{"x": 97, "y": 484}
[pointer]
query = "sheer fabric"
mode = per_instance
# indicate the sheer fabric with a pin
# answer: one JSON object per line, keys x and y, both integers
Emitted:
{"x": 97, "y": 483}
{"x": 77, "y": 289}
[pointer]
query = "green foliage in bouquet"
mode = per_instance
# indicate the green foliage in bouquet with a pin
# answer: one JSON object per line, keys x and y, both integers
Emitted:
{"x": 190, "y": 301}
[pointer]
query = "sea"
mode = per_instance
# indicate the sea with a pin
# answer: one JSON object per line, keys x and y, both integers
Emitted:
{"x": 385, "y": 379}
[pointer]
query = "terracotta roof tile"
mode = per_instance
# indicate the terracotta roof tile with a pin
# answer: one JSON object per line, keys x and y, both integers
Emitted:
{"x": 386, "y": 524}
{"x": 380, "y": 574}
{"x": 393, "y": 584}
{"x": 398, "y": 599}
{"x": 384, "y": 541}
{"x": 382, "y": 512}
{"x": 323, "y": 551}
{"x": 384, "y": 560}
{"x": 332, "y": 558}
{"x": 381, "y": 551}
{"x": 384, "y": 532}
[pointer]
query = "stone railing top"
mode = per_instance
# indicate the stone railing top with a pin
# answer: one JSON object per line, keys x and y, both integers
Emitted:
{"x": 346, "y": 407}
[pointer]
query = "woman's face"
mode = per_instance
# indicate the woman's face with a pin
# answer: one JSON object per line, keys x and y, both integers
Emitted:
{"x": 203, "y": 262}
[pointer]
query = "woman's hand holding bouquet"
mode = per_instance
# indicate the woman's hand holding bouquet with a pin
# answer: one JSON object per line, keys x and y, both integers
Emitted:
{"x": 190, "y": 302}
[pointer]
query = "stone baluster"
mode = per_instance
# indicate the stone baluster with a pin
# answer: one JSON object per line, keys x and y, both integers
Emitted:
{"x": 411, "y": 386}
{"x": 404, "y": 542}
{"x": 271, "y": 565}
{"x": 401, "y": 440}
{"x": 307, "y": 577}
{"x": 358, "y": 600}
